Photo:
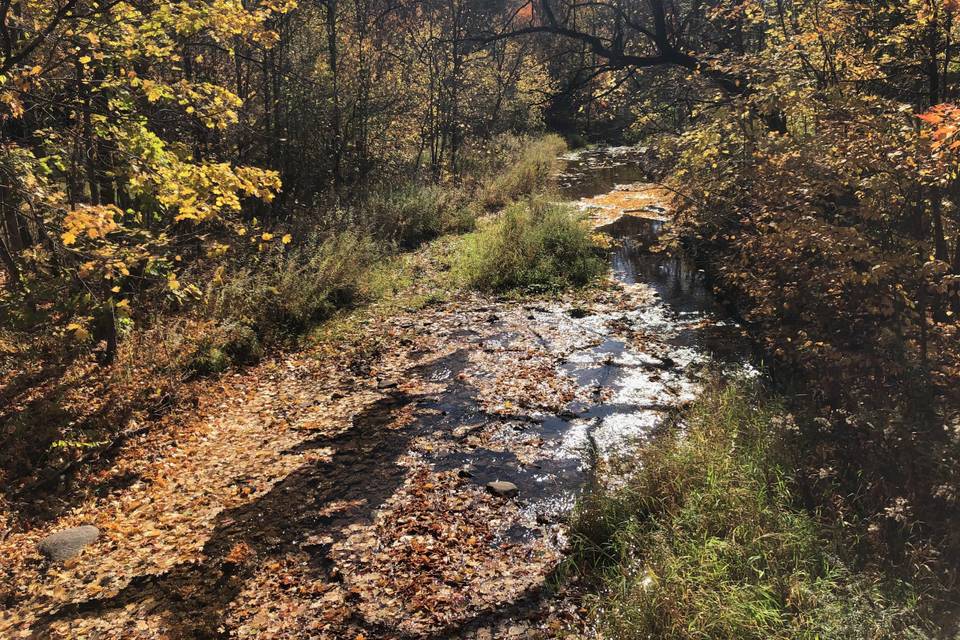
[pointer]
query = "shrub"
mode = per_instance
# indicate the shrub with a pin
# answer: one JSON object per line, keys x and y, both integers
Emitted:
{"x": 414, "y": 213}
{"x": 706, "y": 542}
{"x": 223, "y": 346}
{"x": 533, "y": 245}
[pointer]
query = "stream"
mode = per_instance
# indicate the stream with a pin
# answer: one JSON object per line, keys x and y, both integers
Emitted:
{"x": 351, "y": 490}
{"x": 680, "y": 336}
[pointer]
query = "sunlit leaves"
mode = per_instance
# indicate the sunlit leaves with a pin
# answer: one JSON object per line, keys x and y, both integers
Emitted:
{"x": 112, "y": 72}
{"x": 90, "y": 221}
{"x": 944, "y": 121}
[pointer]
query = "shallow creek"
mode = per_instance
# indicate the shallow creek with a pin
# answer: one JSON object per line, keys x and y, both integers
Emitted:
{"x": 369, "y": 495}
{"x": 639, "y": 365}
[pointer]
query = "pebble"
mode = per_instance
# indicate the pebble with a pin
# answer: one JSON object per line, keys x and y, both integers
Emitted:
{"x": 502, "y": 488}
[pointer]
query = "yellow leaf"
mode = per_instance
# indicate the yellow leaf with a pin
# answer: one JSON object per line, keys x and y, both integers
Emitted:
{"x": 286, "y": 239}
{"x": 267, "y": 237}
{"x": 85, "y": 59}
{"x": 80, "y": 333}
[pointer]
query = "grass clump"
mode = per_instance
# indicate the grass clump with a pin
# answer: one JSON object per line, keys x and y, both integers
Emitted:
{"x": 223, "y": 346}
{"x": 288, "y": 290}
{"x": 530, "y": 171}
{"x": 533, "y": 245}
{"x": 411, "y": 214}
{"x": 707, "y": 542}
{"x": 277, "y": 297}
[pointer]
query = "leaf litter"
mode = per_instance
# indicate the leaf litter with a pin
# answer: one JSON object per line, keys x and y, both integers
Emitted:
{"x": 338, "y": 493}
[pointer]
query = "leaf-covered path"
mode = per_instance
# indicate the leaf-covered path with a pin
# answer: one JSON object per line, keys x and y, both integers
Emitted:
{"x": 340, "y": 493}
{"x": 306, "y": 495}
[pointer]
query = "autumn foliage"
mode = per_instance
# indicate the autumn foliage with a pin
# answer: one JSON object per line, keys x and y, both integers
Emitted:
{"x": 189, "y": 185}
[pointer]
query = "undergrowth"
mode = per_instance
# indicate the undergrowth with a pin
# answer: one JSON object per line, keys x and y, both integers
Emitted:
{"x": 408, "y": 215}
{"x": 535, "y": 163}
{"x": 533, "y": 245}
{"x": 279, "y": 296}
{"x": 248, "y": 302}
{"x": 286, "y": 291}
{"x": 707, "y": 541}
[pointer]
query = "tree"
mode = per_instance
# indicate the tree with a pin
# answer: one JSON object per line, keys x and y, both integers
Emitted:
{"x": 102, "y": 188}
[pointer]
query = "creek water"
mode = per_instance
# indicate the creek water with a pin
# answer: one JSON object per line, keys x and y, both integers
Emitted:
{"x": 635, "y": 361}
{"x": 636, "y": 366}
{"x": 683, "y": 335}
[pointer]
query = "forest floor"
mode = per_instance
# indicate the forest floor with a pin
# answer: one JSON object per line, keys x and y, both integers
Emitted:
{"x": 341, "y": 492}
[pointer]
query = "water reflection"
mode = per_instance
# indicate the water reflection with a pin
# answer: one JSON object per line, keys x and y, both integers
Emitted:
{"x": 675, "y": 278}
{"x": 636, "y": 383}
{"x": 597, "y": 170}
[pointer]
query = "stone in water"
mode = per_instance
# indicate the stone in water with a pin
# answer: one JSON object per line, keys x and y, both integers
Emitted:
{"x": 502, "y": 489}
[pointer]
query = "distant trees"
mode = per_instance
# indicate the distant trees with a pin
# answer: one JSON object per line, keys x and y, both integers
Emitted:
{"x": 136, "y": 137}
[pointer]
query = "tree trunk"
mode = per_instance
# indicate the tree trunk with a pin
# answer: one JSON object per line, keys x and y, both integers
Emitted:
{"x": 13, "y": 273}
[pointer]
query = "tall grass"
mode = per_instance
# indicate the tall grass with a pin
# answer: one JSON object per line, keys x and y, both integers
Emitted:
{"x": 273, "y": 298}
{"x": 413, "y": 213}
{"x": 280, "y": 295}
{"x": 707, "y": 542}
{"x": 496, "y": 173}
{"x": 529, "y": 171}
{"x": 534, "y": 245}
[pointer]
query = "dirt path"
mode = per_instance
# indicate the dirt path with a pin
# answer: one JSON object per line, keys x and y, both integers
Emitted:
{"x": 343, "y": 494}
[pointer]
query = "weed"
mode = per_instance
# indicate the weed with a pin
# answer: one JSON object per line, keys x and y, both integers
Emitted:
{"x": 707, "y": 542}
{"x": 286, "y": 291}
{"x": 412, "y": 214}
{"x": 528, "y": 174}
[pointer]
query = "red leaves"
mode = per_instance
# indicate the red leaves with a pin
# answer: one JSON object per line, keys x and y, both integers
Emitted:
{"x": 432, "y": 555}
{"x": 945, "y": 122}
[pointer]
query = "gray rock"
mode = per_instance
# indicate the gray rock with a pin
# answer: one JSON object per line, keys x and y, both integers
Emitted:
{"x": 502, "y": 488}
{"x": 65, "y": 544}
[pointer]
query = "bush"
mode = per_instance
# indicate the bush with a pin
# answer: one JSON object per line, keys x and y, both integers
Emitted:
{"x": 533, "y": 245}
{"x": 224, "y": 346}
{"x": 830, "y": 252}
{"x": 530, "y": 172}
{"x": 706, "y": 542}
{"x": 284, "y": 292}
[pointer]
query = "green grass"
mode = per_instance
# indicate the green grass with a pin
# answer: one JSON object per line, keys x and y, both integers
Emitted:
{"x": 706, "y": 541}
{"x": 275, "y": 298}
{"x": 509, "y": 168}
{"x": 533, "y": 245}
